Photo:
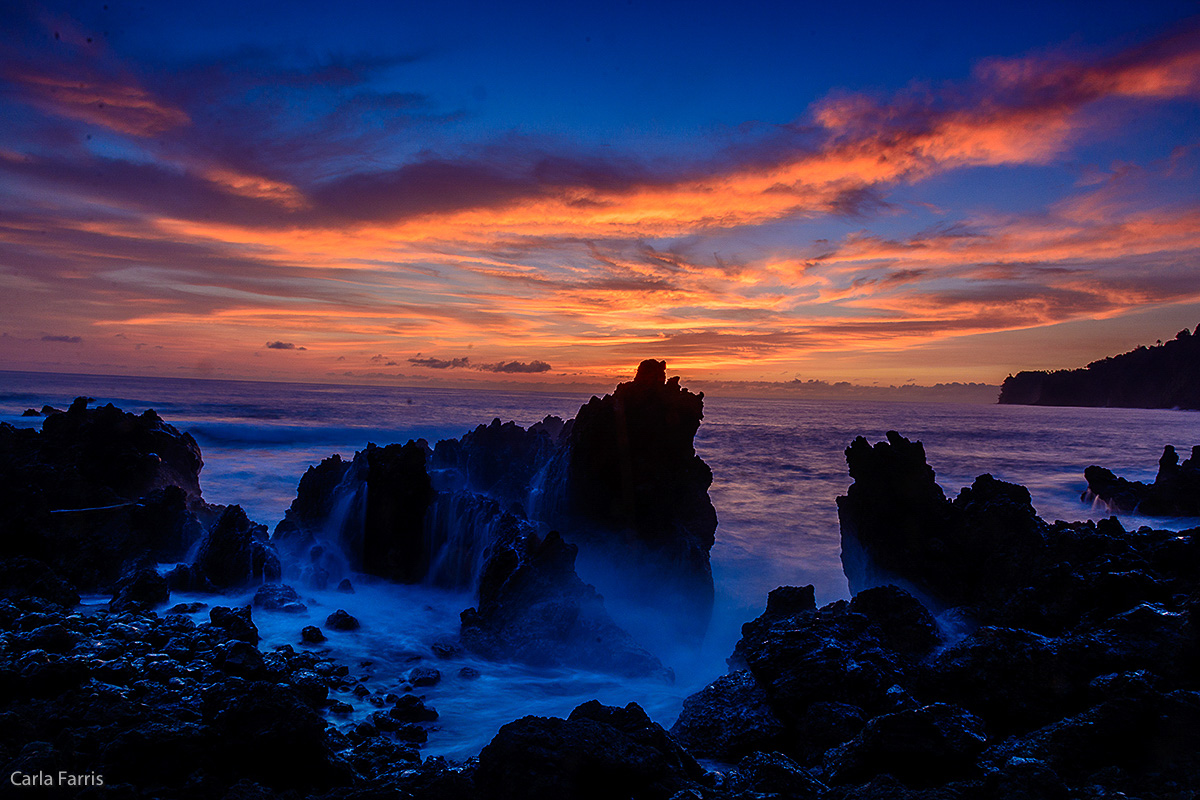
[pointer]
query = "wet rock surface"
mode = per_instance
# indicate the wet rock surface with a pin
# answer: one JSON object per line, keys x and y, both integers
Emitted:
{"x": 1174, "y": 493}
{"x": 377, "y": 502}
{"x": 634, "y": 491}
{"x": 163, "y": 707}
{"x": 534, "y": 608}
{"x": 235, "y": 553}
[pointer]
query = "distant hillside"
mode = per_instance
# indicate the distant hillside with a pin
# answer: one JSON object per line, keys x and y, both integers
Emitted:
{"x": 1166, "y": 375}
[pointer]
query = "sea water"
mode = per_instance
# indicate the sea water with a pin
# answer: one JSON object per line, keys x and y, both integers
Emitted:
{"x": 778, "y": 467}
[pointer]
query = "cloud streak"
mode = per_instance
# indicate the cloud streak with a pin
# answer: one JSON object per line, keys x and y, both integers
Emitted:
{"x": 204, "y": 209}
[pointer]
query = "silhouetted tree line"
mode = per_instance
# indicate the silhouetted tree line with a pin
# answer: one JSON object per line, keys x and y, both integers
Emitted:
{"x": 1166, "y": 375}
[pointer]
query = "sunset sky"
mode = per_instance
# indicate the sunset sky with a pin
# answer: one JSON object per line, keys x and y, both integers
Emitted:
{"x": 531, "y": 192}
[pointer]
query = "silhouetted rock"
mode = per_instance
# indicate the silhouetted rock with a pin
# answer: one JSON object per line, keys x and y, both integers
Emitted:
{"x": 1163, "y": 376}
{"x": 235, "y": 552}
{"x": 534, "y": 608}
{"x": 499, "y": 460}
{"x": 634, "y": 491}
{"x": 990, "y": 553}
{"x": 898, "y": 526}
{"x": 345, "y": 586}
{"x": 96, "y": 491}
{"x": 234, "y": 623}
{"x": 925, "y": 746}
{"x": 373, "y": 506}
{"x": 143, "y": 588}
{"x": 317, "y": 497}
{"x": 311, "y": 634}
{"x": 1174, "y": 493}
{"x": 340, "y": 620}
{"x": 597, "y": 752}
{"x": 103, "y": 456}
{"x": 22, "y": 577}
{"x": 804, "y": 679}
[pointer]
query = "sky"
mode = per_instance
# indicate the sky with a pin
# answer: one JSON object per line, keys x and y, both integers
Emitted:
{"x": 534, "y": 193}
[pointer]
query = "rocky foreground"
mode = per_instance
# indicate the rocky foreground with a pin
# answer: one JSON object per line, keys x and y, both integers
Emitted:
{"x": 1064, "y": 660}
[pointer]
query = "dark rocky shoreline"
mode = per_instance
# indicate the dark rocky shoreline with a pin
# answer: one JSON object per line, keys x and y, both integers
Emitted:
{"x": 1063, "y": 660}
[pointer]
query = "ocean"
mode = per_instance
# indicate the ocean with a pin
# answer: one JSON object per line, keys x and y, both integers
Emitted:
{"x": 778, "y": 467}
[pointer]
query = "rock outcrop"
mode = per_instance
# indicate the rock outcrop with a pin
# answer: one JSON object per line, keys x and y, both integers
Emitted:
{"x": 1174, "y": 493}
{"x": 803, "y": 681}
{"x": 1069, "y": 666}
{"x": 234, "y": 553}
{"x": 989, "y": 552}
{"x": 373, "y": 508}
{"x": 534, "y": 608}
{"x": 598, "y": 751}
{"x": 897, "y": 525}
{"x": 98, "y": 489}
{"x": 500, "y": 460}
{"x": 632, "y": 491}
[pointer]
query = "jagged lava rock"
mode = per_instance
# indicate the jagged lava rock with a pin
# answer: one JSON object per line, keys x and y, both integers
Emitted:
{"x": 1174, "y": 493}
{"x": 235, "y": 552}
{"x": 804, "y": 679}
{"x": 729, "y": 718}
{"x": 142, "y": 588}
{"x": 102, "y": 456}
{"x": 95, "y": 490}
{"x": 634, "y": 489}
{"x": 377, "y": 503}
{"x": 988, "y": 551}
{"x": 897, "y": 525}
{"x": 534, "y": 608}
{"x": 597, "y": 752}
{"x": 500, "y": 460}
{"x": 233, "y": 623}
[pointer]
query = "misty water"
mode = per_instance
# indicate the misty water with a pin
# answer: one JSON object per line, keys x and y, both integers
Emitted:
{"x": 778, "y": 467}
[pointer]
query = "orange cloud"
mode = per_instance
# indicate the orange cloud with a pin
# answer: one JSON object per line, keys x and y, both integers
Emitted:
{"x": 123, "y": 108}
{"x": 563, "y": 269}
